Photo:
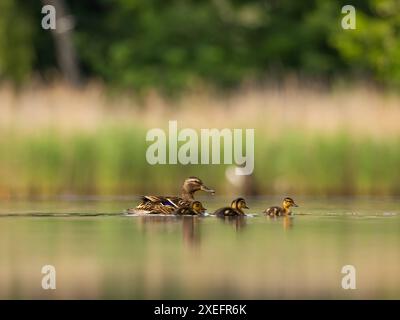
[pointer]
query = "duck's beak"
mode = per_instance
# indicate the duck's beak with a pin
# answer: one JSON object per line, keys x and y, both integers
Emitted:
{"x": 206, "y": 189}
{"x": 246, "y": 207}
{"x": 295, "y": 205}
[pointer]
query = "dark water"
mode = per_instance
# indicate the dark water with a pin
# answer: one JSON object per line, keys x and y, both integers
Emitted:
{"x": 99, "y": 253}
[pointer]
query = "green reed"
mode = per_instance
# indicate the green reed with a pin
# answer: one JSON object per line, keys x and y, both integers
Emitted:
{"x": 111, "y": 161}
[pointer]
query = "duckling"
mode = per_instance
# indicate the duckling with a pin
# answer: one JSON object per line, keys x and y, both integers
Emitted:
{"x": 236, "y": 209}
{"x": 281, "y": 211}
{"x": 167, "y": 204}
{"x": 196, "y": 208}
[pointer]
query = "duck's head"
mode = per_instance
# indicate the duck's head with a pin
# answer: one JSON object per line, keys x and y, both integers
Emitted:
{"x": 193, "y": 184}
{"x": 289, "y": 202}
{"x": 239, "y": 204}
{"x": 198, "y": 207}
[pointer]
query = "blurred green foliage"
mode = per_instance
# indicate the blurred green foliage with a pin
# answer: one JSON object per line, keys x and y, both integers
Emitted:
{"x": 182, "y": 43}
{"x": 16, "y": 41}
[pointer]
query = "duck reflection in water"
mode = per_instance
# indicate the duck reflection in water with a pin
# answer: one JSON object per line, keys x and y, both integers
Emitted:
{"x": 190, "y": 226}
{"x": 238, "y": 222}
{"x": 287, "y": 223}
{"x": 191, "y": 230}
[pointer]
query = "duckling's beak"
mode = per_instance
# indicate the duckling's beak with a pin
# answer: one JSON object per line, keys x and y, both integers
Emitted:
{"x": 246, "y": 207}
{"x": 295, "y": 205}
{"x": 206, "y": 189}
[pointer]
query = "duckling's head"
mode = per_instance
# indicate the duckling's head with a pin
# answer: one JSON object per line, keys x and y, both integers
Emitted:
{"x": 198, "y": 207}
{"x": 193, "y": 184}
{"x": 239, "y": 204}
{"x": 289, "y": 202}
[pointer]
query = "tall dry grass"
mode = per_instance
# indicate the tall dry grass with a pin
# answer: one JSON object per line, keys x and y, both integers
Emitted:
{"x": 361, "y": 110}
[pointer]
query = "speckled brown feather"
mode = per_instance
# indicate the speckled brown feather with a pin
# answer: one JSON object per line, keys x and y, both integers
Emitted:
{"x": 274, "y": 211}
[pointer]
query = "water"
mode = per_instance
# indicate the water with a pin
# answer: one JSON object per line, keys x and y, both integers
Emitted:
{"x": 99, "y": 253}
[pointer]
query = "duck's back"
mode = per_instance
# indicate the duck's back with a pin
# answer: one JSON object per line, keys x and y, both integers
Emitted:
{"x": 274, "y": 211}
{"x": 226, "y": 212}
{"x": 185, "y": 211}
{"x": 166, "y": 200}
{"x": 157, "y": 205}
{"x": 161, "y": 204}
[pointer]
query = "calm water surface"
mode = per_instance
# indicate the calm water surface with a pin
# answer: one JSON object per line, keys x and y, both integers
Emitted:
{"x": 100, "y": 253}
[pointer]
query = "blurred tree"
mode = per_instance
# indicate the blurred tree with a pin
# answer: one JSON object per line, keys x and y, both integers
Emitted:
{"x": 374, "y": 46}
{"x": 65, "y": 48}
{"x": 16, "y": 42}
{"x": 178, "y": 44}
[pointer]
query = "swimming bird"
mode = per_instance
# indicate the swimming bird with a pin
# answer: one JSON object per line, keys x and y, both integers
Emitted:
{"x": 167, "y": 204}
{"x": 195, "y": 208}
{"x": 281, "y": 211}
{"x": 236, "y": 209}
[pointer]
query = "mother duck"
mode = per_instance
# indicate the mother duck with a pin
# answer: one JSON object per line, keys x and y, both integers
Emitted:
{"x": 168, "y": 204}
